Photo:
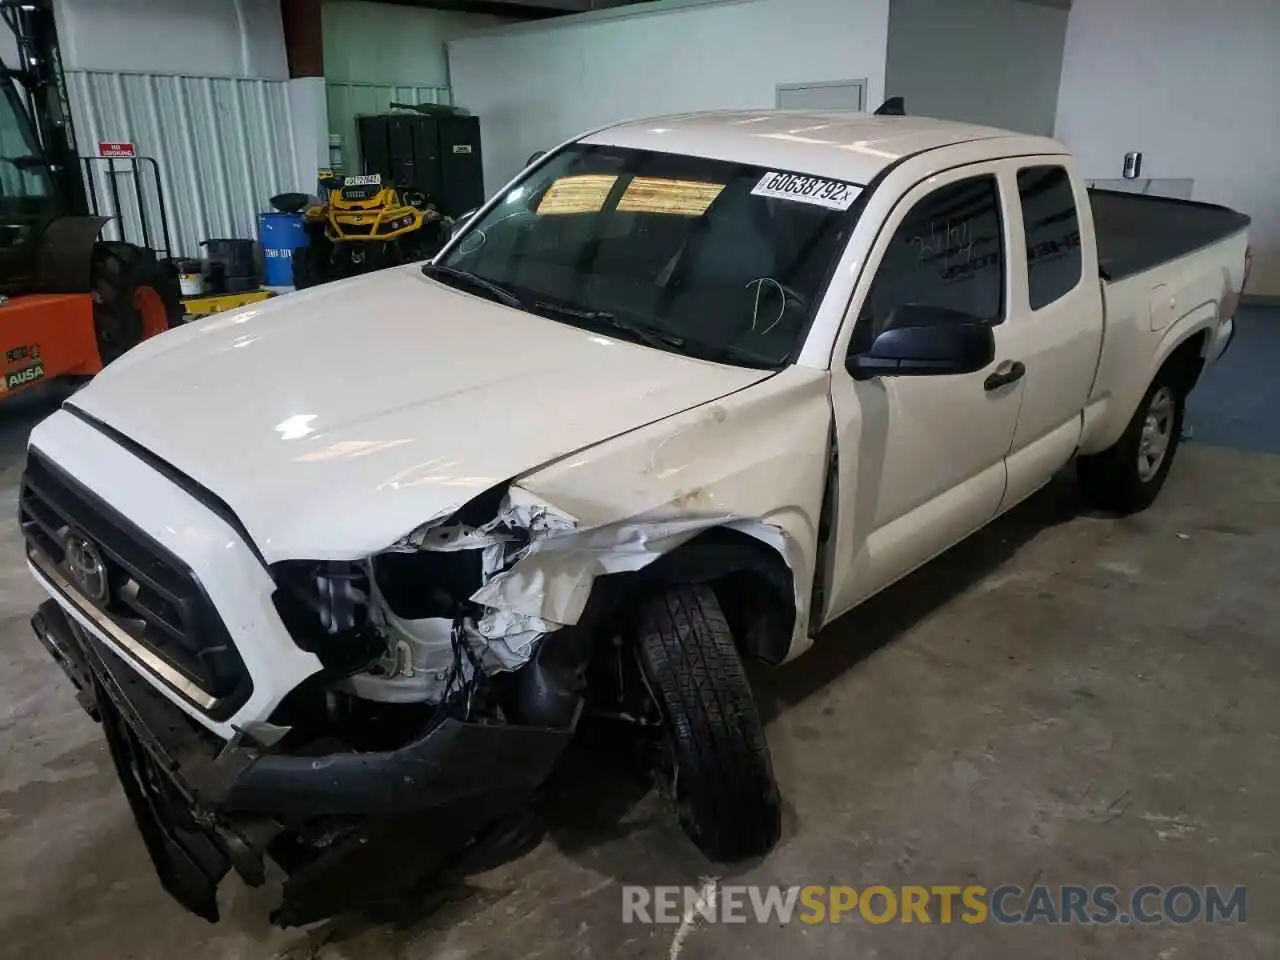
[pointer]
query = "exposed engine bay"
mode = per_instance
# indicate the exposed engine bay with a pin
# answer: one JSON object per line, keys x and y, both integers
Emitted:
{"x": 405, "y": 626}
{"x": 468, "y": 597}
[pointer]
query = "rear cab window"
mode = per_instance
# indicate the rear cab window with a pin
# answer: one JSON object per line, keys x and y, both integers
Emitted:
{"x": 1051, "y": 225}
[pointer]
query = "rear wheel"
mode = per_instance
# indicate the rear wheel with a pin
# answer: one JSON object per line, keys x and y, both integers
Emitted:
{"x": 720, "y": 766}
{"x": 1127, "y": 477}
{"x": 134, "y": 297}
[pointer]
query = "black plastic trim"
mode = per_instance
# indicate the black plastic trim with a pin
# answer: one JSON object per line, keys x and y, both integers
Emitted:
{"x": 449, "y": 761}
{"x": 452, "y": 761}
{"x": 108, "y": 528}
{"x": 1137, "y": 231}
{"x": 220, "y": 796}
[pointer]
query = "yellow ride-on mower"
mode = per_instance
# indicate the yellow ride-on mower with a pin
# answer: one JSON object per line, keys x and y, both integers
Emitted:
{"x": 363, "y": 226}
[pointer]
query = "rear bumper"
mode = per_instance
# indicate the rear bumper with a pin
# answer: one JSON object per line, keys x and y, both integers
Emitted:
{"x": 204, "y": 805}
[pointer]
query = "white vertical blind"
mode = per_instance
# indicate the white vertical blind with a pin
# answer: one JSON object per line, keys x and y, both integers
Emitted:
{"x": 224, "y": 147}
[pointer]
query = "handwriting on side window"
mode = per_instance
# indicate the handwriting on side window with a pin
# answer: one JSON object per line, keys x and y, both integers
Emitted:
{"x": 953, "y": 244}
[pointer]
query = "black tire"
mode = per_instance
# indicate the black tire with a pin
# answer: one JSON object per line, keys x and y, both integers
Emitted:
{"x": 311, "y": 265}
{"x": 134, "y": 296}
{"x": 1112, "y": 480}
{"x": 724, "y": 785}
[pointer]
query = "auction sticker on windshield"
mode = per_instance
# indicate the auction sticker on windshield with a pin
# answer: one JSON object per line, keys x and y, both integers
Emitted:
{"x": 832, "y": 194}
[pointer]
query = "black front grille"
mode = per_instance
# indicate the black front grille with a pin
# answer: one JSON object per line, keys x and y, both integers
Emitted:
{"x": 360, "y": 194}
{"x": 151, "y": 595}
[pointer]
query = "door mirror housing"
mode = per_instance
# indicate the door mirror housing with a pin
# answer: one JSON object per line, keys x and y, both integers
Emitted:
{"x": 926, "y": 341}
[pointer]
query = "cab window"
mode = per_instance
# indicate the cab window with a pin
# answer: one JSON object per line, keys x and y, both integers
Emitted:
{"x": 1052, "y": 228}
{"x": 948, "y": 252}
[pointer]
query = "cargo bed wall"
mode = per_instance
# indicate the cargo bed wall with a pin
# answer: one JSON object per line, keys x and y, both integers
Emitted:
{"x": 1148, "y": 313}
{"x": 1137, "y": 232}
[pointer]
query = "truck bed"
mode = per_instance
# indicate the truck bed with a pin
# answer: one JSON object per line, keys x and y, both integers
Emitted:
{"x": 1137, "y": 232}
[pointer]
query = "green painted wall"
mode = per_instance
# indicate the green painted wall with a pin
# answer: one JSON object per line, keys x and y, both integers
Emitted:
{"x": 391, "y": 44}
{"x": 378, "y": 52}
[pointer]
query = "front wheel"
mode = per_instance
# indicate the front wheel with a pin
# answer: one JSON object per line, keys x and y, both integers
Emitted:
{"x": 1126, "y": 477}
{"x": 723, "y": 776}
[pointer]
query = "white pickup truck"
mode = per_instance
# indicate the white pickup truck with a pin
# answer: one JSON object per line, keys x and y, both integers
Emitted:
{"x": 341, "y": 573}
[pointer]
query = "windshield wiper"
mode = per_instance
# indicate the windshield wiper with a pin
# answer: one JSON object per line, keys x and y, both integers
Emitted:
{"x": 735, "y": 356}
{"x": 646, "y": 335}
{"x": 463, "y": 278}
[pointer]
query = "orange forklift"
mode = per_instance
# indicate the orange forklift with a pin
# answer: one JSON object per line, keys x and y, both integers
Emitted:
{"x": 69, "y": 302}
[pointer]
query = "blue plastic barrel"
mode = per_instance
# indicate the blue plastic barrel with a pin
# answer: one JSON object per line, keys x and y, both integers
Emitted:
{"x": 281, "y": 234}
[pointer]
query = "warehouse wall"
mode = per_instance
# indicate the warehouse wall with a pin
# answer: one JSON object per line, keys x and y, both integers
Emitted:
{"x": 309, "y": 127}
{"x": 201, "y": 86}
{"x": 533, "y": 85}
{"x": 996, "y": 62}
{"x": 377, "y": 52}
{"x": 1194, "y": 86}
{"x": 388, "y": 44}
{"x": 223, "y": 147}
{"x": 213, "y": 38}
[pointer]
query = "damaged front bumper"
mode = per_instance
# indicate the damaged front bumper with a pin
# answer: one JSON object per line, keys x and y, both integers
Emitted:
{"x": 376, "y": 824}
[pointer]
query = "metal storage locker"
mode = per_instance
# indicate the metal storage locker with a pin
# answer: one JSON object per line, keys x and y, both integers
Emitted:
{"x": 461, "y": 169}
{"x": 438, "y": 155}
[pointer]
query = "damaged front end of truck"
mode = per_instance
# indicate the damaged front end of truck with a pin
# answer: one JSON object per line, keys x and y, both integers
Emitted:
{"x": 454, "y": 673}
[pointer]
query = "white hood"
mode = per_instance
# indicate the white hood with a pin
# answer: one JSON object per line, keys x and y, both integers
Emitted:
{"x": 335, "y": 421}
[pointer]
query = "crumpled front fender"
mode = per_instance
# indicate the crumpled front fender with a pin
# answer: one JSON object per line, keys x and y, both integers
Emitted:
{"x": 754, "y": 462}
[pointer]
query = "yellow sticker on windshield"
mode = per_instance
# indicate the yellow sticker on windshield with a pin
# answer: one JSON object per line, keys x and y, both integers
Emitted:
{"x": 685, "y": 198}
{"x": 581, "y": 194}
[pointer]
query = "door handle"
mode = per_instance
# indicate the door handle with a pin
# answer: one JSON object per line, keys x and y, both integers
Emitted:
{"x": 1011, "y": 371}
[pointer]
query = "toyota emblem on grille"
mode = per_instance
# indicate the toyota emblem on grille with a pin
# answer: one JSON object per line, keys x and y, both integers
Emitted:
{"x": 85, "y": 565}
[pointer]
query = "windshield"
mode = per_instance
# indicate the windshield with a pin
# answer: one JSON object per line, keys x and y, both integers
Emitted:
{"x": 705, "y": 257}
{"x": 23, "y": 173}
{"x": 27, "y": 198}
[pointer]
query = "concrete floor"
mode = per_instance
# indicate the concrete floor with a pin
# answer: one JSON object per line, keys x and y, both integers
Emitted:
{"x": 1064, "y": 698}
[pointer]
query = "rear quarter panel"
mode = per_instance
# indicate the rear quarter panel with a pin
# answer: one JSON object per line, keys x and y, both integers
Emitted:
{"x": 1148, "y": 316}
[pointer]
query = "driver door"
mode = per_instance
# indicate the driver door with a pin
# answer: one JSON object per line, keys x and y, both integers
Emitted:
{"x": 922, "y": 457}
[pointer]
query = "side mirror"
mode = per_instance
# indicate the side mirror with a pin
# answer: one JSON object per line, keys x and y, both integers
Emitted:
{"x": 926, "y": 341}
